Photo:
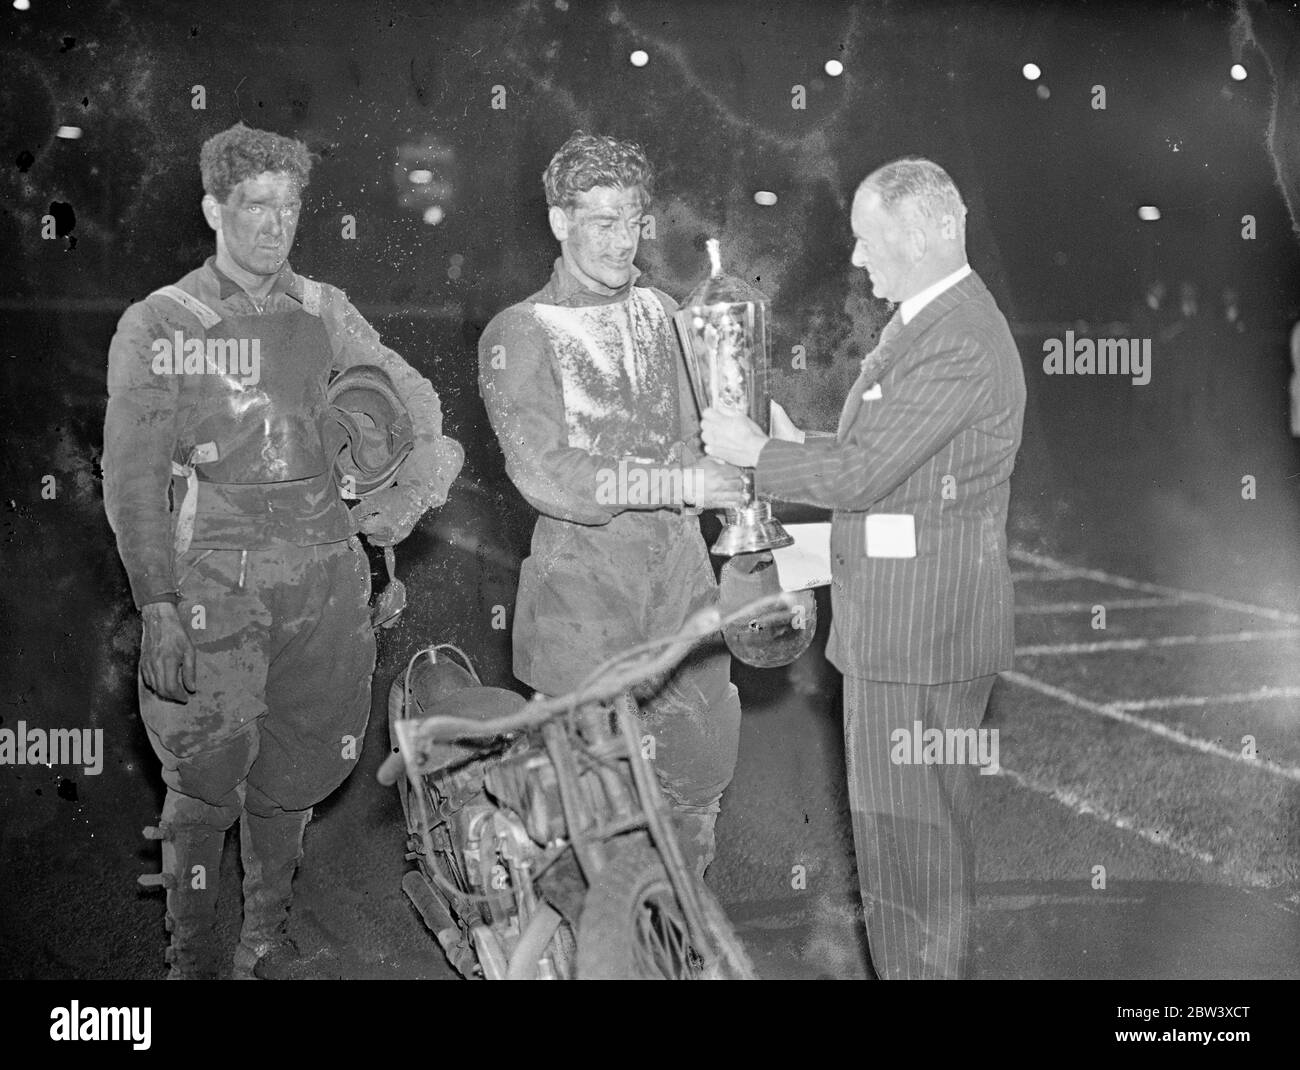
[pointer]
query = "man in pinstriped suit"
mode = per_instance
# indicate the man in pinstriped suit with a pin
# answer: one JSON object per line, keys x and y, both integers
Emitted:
{"x": 918, "y": 477}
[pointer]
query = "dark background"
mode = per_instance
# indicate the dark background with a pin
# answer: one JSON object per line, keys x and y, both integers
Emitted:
{"x": 1142, "y": 476}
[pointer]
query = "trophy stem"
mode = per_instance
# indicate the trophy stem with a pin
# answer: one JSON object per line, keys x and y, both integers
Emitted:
{"x": 748, "y": 529}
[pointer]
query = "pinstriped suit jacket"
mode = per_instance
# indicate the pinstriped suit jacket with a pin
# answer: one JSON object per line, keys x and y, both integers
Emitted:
{"x": 952, "y": 405}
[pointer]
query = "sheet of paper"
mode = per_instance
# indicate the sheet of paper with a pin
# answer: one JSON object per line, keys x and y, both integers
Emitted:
{"x": 808, "y": 562}
{"x": 891, "y": 535}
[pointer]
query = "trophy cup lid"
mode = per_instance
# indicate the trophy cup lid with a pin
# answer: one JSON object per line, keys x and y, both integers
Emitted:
{"x": 720, "y": 289}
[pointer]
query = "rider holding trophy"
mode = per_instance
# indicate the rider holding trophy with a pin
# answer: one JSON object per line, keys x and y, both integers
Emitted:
{"x": 585, "y": 386}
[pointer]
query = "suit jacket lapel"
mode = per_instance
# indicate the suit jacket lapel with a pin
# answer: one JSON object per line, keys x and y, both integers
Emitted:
{"x": 877, "y": 364}
{"x": 872, "y": 365}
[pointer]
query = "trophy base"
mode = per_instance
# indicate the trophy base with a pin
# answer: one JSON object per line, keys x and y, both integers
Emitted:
{"x": 750, "y": 529}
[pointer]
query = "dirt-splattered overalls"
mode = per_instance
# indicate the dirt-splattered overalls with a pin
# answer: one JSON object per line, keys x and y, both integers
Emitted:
{"x": 217, "y": 486}
{"x": 575, "y": 383}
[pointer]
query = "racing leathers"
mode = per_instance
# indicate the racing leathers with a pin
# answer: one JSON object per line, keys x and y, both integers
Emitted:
{"x": 223, "y": 501}
{"x": 590, "y": 401}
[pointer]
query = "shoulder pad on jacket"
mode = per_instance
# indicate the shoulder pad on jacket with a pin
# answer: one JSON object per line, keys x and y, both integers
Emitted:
{"x": 313, "y": 294}
{"x": 191, "y": 304}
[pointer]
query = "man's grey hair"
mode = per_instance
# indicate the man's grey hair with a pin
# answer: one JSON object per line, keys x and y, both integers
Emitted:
{"x": 921, "y": 185}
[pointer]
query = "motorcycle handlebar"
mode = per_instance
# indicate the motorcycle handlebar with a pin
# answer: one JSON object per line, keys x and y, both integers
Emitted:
{"x": 604, "y": 683}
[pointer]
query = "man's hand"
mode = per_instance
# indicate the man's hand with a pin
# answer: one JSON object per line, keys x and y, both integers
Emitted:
{"x": 387, "y": 516}
{"x": 167, "y": 656}
{"x": 732, "y": 437}
{"x": 713, "y": 485}
{"x": 782, "y": 426}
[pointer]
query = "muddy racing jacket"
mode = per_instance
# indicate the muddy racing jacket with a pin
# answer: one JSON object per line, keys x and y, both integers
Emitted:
{"x": 214, "y": 435}
{"x": 589, "y": 398}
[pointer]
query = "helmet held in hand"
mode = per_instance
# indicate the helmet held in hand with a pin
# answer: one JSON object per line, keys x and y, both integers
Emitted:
{"x": 370, "y": 431}
{"x": 778, "y": 635}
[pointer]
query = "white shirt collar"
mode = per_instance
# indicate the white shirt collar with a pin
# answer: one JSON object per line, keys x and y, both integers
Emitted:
{"x": 908, "y": 310}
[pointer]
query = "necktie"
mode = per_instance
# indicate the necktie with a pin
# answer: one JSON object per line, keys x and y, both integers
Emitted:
{"x": 874, "y": 365}
{"x": 891, "y": 330}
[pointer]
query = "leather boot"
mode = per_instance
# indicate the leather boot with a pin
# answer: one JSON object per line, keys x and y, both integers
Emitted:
{"x": 271, "y": 848}
{"x": 192, "y": 834}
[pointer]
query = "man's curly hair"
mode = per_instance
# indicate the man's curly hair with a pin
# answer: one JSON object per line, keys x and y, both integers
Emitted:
{"x": 241, "y": 152}
{"x": 589, "y": 160}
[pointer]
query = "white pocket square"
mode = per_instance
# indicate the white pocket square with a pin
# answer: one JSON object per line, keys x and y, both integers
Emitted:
{"x": 873, "y": 394}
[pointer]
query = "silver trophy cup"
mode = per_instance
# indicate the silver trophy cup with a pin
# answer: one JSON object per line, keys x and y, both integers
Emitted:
{"x": 722, "y": 326}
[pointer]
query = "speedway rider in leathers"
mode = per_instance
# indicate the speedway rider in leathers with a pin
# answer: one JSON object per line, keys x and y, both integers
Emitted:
{"x": 257, "y": 652}
{"x": 586, "y": 388}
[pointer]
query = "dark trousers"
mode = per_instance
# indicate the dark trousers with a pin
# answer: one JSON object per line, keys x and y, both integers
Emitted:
{"x": 913, "y": 824}
{"x": 586, "y": 594}
{"x": 285, "y": 654}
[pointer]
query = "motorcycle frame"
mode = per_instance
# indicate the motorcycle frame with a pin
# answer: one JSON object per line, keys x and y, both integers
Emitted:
{"x": 554, "y": 721}
{"x": 585, "y": 833}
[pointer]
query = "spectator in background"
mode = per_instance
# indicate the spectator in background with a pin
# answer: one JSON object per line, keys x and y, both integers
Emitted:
{"x": 1156, "y": 294}
{"x": 1232, "y": 309}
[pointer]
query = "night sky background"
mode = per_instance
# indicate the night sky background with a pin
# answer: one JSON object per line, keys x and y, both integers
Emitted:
{"x": 380, "y": 89}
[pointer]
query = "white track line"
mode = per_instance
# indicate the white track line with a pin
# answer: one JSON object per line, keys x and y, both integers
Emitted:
{"x": 1082, "y": 805}
{"x": 1102, "y": 646}
{"x": 1116, "y": 713}
{"x": 1033, "y": 901}
{"x": 1088, "y": 607}
{"x": 467, "y": 541}
{"x": 1063, "y": 573}
{"x": 1172, "y": 702}
{"x": 1044, "y": 562}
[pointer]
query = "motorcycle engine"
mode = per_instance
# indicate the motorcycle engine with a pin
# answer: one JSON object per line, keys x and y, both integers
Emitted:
{"x": 528, "y": 786}
{"x": 498, "y": 856}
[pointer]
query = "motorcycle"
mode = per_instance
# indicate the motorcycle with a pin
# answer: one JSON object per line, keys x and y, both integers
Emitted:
{"x": 543, "y": 846}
